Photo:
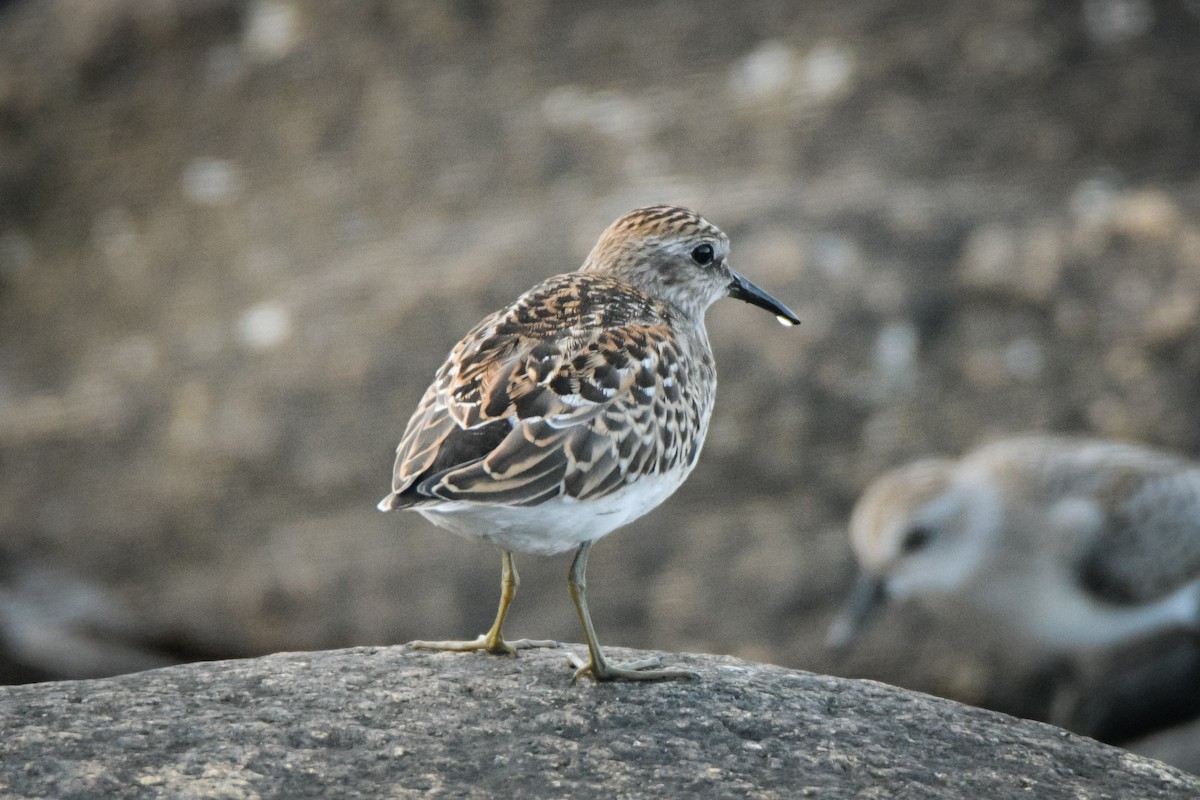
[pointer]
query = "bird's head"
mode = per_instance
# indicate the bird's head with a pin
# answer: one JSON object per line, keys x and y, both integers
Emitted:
{"x": 677, "y": 256}
{"x": 919, "y": 531}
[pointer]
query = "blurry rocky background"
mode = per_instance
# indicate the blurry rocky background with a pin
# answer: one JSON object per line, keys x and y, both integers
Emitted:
{"x": 236, "y": 239}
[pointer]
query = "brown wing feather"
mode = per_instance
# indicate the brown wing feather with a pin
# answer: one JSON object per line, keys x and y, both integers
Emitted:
{"x": 554, "y": 395}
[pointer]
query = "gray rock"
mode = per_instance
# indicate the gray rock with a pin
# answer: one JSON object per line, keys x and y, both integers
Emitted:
{"x": 388, "y": 722}
{"x": 1176, "y": 746}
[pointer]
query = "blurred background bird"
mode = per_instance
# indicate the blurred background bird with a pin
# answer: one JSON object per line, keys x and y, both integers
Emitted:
{"x": 237, "y": 235}
{"x": 1074, "y": 549}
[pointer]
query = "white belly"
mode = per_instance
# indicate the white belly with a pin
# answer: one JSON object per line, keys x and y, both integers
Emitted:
{"x": 556, "y": 525}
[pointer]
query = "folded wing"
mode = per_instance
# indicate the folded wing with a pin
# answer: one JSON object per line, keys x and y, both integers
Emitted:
{"x": 553, "y": 396}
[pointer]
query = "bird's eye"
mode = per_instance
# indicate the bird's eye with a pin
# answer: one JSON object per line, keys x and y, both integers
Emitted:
{"x": 915, "y": 539}
{"x": 703, "y": 254}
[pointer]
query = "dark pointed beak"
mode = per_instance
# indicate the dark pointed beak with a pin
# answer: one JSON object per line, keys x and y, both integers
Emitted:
{"x": 744, "y": 290}
{"x": 868, "y": 595}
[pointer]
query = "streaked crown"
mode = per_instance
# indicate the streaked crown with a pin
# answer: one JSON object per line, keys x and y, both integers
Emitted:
{"x": 664, "y": 221}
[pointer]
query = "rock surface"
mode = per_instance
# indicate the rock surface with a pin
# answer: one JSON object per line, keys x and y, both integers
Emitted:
{"x": 1176, "y": 746}
{"x": 388, "y": 722}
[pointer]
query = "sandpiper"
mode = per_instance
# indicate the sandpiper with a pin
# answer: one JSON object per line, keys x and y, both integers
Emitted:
{"x": 575, "y": 410}
{"x": 1073, "y": 544}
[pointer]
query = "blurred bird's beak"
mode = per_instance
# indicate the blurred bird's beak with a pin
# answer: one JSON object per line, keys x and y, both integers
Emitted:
{"x": 868, "y": 595}
{"x": 744, "y": 290}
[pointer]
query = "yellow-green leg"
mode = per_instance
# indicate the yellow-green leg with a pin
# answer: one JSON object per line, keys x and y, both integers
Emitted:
{"x": 597, "y": 666}
{"x": 493, "y": 640}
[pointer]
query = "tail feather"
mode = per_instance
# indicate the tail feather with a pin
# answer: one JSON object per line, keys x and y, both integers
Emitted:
{"x": 402, "y": 500}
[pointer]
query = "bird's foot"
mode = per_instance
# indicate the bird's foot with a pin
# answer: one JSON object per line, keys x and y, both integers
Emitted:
{"x": 485, "y": 643}
{"x": 634, "y": 671}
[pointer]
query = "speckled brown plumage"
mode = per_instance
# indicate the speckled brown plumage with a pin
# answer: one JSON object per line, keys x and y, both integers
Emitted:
{"x": 573, "y": 390}
{"x": 579, "y": 407}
